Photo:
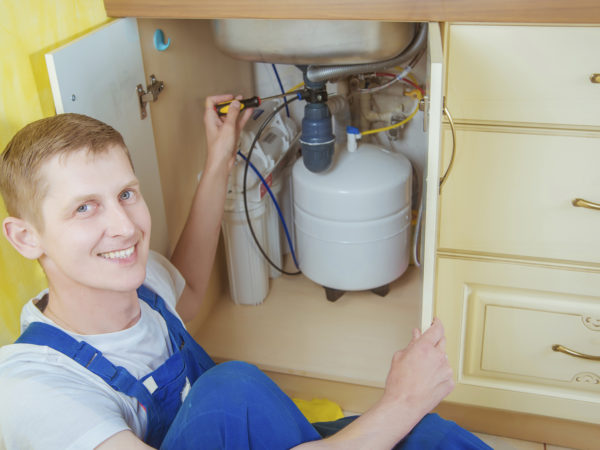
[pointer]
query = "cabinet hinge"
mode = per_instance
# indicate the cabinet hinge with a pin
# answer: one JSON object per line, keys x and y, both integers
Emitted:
{"x": 149, "y": 95}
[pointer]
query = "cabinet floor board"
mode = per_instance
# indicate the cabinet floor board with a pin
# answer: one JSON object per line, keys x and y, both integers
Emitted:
{"x": 297, "y": 331}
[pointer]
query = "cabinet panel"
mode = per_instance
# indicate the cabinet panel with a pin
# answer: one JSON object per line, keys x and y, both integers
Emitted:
{"x": 512, "y": 194}
{"x": 532, "y": 74}
{"x": 501, "y": 321}
{"x": 516, "y": 329}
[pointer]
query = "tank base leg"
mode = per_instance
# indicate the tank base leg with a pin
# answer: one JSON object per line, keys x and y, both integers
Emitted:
{"x": 333, "y": 294}
{"x": 382, "y": 291}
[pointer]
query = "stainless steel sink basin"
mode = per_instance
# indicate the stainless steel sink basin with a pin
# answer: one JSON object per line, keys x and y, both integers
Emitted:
{"x": 322, "y": 42}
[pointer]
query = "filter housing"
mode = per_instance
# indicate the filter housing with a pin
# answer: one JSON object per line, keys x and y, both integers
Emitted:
{"x": 353, "y": 221}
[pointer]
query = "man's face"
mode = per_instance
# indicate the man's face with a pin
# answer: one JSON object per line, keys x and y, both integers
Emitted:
{"x": 96, "y": 224}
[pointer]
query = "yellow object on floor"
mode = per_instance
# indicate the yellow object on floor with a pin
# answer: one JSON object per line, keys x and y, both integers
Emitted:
{"x": 319, "y": 409}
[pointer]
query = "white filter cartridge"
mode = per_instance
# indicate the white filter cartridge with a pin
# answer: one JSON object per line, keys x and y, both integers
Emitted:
{"x": 247, "y": 269}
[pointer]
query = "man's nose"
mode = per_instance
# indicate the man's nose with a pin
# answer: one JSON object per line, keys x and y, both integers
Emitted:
{"x": 119, "y": 222}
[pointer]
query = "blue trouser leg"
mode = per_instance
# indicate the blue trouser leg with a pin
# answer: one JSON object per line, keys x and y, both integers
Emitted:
{"x": 431, "y": 433}
{"x": 236, "y": 406}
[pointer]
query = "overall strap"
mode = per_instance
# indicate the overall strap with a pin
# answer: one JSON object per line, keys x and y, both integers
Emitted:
{"x": 86, "y": 355}
{"x": 156, "y": 303}
{"x": 177, "y": 332}
{"x": 180, "y": 338}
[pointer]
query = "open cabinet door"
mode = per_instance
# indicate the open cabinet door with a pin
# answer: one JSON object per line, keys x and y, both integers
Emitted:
{"x": 434, "y": 111}
{"x": 97, "y": 75}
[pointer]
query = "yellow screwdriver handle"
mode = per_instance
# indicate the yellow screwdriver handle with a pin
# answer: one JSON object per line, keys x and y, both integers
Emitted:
{"x": 223, "y": 108}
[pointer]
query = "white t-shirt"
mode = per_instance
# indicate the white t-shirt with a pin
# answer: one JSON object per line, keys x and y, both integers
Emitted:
{"x": 48, "y": 401}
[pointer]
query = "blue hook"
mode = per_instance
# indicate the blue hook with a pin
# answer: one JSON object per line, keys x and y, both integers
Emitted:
{"x": 159, "y": 41}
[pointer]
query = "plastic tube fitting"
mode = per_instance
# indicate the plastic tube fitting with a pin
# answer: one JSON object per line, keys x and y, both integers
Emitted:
{"x": 317, "y": 138}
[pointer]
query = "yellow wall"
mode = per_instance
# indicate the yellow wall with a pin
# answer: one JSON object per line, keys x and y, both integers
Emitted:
{"x": 29, "y": 29}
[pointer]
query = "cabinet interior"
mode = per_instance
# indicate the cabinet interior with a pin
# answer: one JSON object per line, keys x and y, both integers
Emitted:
{"x": 295, "y": 330}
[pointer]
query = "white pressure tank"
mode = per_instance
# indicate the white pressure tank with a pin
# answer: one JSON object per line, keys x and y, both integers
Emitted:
{"x": 353, "y": 221}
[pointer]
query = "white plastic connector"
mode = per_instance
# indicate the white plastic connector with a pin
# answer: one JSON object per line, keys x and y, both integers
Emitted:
{"x": 353, "y": 136}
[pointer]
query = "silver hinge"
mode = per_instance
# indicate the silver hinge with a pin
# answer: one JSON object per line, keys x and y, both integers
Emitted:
{"x": 149, "y": 95}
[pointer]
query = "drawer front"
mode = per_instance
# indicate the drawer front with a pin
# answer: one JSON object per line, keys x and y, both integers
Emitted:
{"x": 517, "y": 336}
{"x": 502, "y": 321}
{"x": 536, "y": 74}
{"x": 512, "y": 193}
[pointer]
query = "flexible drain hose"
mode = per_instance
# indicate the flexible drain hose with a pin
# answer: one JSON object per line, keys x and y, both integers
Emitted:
{"x": 328, "y": 73}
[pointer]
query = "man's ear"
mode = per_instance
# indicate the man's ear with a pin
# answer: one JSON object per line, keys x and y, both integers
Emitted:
{"x": 23, "y": 237}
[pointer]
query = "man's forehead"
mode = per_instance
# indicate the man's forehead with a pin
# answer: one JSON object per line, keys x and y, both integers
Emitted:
{"x": 83, "y": 171}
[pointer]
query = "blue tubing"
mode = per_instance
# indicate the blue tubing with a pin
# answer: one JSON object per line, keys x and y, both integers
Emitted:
{"x": 266, "y": 185}
{"x": 287, "y": 110}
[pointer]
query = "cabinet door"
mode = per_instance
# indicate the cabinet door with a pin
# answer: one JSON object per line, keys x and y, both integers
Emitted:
{"x": 97, "y": 75}
{"x": 435, "y": 87}
{"x": 502, "y": 321}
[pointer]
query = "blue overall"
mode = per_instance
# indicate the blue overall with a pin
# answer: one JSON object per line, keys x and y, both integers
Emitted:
{"x": 176, "y": 374}
{"x": 230, "y": 406}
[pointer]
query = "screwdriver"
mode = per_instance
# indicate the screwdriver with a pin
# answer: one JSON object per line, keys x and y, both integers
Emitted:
{"x": 252, "y": 102}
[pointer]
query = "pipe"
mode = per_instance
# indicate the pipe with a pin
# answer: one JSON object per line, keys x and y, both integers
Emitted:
{"x": 324, "y": 73}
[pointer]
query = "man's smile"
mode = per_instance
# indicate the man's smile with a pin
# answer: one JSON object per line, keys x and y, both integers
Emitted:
{"x": 119, "y": 254}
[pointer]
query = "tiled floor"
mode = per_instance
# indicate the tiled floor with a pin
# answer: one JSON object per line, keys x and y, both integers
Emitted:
{"x": 502, "y": 443}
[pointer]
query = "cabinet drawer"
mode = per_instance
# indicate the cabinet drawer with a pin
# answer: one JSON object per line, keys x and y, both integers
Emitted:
{"x": 512, "y": 193}
{"x": 536, "y": 74}
{"x": 517, "y": 336}
{"x": 501, "y": 322}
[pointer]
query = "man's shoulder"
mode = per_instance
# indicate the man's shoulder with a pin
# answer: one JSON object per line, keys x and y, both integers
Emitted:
{"x": 30, "y": 360}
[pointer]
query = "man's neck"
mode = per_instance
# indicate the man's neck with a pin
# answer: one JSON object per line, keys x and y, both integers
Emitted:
{"x": 88, "y": 311}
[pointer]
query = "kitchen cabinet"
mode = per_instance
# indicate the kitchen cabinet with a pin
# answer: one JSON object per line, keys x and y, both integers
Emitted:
{"x": 296, "y": 331}
{"x": 518, "y": 269}
{"x": 341, "y": 351}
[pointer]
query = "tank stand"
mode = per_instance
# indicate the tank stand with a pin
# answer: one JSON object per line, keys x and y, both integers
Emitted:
{"x": 333, "y": 294}
{"x": 382, "y": 291}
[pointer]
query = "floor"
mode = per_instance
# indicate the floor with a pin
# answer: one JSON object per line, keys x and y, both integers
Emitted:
{"x": 502, "y": 443}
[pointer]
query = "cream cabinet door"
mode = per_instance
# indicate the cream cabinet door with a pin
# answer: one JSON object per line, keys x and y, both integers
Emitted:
{"x": 502, "y": 321}
{"x": 435, "y": 88}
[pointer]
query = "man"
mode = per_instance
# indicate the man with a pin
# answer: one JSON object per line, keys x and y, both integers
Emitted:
{"x": 104, "y": 360}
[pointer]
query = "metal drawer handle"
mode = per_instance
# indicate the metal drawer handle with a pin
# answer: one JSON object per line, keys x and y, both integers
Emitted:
{"x": 595, "y": 78}
{"x": 568, "y": 351}
{"x": 585, "y": 204}
{"x": 451, "y": 122}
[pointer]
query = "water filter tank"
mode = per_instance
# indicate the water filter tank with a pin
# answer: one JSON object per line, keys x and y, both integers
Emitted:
{"x": 353, "y": 221}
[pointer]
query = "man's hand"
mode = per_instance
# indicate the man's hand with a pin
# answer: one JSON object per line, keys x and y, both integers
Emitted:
{"x": 420, "y": 375}
{"x": 222, "y": 133}
{"x": 419, "y": 378}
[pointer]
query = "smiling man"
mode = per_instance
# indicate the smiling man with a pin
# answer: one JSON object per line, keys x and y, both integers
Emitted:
{"x": 104, "y": 360}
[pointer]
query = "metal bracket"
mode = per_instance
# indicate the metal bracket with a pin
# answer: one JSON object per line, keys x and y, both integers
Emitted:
{"x": 150, "y": 95}
{"x": 424, "y": 106}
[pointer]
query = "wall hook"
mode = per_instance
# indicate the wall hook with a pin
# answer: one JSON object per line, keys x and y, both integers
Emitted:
{"x": 159, "y": 41}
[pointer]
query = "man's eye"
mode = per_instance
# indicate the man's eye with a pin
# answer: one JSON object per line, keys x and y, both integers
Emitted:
{"x": 126, "y": 195}
{"x": 83, "y": 208}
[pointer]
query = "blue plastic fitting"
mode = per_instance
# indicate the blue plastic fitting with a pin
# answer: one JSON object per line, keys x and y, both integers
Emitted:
{"x": 317, "y": 138}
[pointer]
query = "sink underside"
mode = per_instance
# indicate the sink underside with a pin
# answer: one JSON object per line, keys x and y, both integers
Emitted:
{"x": 319, "y": 42}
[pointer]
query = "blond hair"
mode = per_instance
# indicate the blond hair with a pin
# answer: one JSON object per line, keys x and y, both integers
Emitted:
{"x": 21, "y": 183}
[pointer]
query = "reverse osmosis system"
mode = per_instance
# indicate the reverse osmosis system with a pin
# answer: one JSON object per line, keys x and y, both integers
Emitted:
{"x": 349, "y": 203}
